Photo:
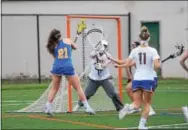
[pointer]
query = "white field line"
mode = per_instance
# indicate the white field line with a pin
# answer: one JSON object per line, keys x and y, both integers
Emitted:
{"x": 15, "y": 104}
{"x": 159, "y": 126}
{"x": 12, "y": 101}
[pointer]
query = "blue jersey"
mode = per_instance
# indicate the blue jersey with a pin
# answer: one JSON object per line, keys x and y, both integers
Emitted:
{"x": 62, "y": 54}
{"x": 63, "y": 62}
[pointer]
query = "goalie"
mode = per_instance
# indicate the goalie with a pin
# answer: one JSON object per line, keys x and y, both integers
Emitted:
{"x": 100, "y": 76}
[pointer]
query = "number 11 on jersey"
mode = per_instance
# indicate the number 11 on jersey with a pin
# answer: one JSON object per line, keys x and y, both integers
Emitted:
{"x": 142, "y": 58}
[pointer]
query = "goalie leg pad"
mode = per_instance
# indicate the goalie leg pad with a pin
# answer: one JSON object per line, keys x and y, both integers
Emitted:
{"x": 110, "y": 91}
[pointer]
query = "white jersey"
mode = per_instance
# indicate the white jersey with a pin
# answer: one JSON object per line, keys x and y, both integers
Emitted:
{"x": 99, "y": 75}
{"x": 154, "y": 74}
{"x": 144, "y": 57}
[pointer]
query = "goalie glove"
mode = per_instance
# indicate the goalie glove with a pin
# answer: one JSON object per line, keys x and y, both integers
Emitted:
{"x": 99, "y": 66}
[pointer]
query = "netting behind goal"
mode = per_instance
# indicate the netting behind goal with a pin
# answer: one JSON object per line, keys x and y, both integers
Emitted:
{"x": 67, "y": 97}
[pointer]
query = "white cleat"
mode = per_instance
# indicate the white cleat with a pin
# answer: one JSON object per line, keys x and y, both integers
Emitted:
{"x": 152, "y": 112}
{"x": 90, "y": 111}
{"x": 123, "y": 112}
{"x": 48, "y": 111}
{"x": 142, "y": 128}
{"x": 185, "y": 112}
{"x": 134, "y": 111}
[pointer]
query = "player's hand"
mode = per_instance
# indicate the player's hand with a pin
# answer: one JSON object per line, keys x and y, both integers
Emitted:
{"x": 116, "y": 65}
{"x": 108, "y": 56}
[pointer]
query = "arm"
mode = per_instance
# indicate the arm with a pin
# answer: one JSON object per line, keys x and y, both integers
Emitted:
{"x": 157, "y": 64}
{"x": 156, "y": 60}
{"x": 127, "y": 64}
{"x": 92, "y": 54}
{"x": 128, "y": 73}
{"x": 183, "y": 59}
{"x": 118, "y": 61}
{"x": 114, "y": 60}
{"x": 71, "y": 43}
{"x": 105, "y": 64}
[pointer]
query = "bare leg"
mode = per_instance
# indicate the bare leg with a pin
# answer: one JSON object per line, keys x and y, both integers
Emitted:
{"x": 147, "y": 97}
{"x": 129, "y": 91}
{"x": 138, "y": 94}
{"x": 54, "y": 89}
{"x": 183, "y": 59}
{"x": 75, "y": 81}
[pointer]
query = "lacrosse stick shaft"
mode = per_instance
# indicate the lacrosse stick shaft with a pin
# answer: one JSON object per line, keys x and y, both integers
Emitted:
{"x": 169, "y": 57}
{"x": 76, "y": 38}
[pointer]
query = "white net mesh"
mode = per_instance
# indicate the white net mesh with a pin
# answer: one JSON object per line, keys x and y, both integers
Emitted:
{"x": 100, "y": 101}
{"x": 57, "y": 105}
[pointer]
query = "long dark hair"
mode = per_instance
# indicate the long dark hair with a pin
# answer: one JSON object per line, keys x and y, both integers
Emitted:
{"x": 53, "y": 40}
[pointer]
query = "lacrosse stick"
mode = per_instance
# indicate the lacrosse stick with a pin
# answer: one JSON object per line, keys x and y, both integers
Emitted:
{"x": 176, "y": 54}
{"x": 80, "y": 28}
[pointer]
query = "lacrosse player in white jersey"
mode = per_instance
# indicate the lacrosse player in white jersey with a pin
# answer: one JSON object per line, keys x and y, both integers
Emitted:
{"x": 183, "y": 58}
{"x": 129, "y": 82}
{"x": 146, "y": 60}
{"x": 100, "y": 76}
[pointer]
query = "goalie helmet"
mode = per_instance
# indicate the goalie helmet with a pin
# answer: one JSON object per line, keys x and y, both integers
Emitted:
{"x": 105, "y": 43}
{"x": 102, "y": 46}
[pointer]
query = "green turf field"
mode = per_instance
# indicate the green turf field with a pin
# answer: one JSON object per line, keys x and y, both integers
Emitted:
{"x": 170, "y": 96}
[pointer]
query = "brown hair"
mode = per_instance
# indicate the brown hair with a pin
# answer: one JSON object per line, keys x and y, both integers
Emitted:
{"x": 53, "y": 40}
{"x": 144, "y": 33}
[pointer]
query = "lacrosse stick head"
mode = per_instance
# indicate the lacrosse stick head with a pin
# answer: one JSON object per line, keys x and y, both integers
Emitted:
{"x": 180, "y": 48}
{"x": 81, "y": 26}
{"x": 105, "y": 44}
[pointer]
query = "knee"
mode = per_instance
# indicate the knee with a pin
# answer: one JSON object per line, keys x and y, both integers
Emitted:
{"x": 114, "y": 96}
{"x": 56, "y": 85}
{"x": 181, "y": 62}
{"x": 128, "y": 89}
{"x": 137, "y": 104}
{"x": 88, "y": 94}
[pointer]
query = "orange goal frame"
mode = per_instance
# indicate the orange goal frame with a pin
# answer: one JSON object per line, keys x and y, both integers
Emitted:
{"x": 119, "y": 46}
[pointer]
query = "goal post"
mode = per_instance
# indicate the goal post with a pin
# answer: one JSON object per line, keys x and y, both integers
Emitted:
{"x": 97, "y": 28}
{"x": 119, "y": 49}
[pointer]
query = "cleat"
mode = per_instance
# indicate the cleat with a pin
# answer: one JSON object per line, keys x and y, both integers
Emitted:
{"x": 90, "y": 111}
{"x": 142, "y": 128}
{"x": 185, "y": 113}
{"x": 123, "y": 112}
{"x": 48, "y": 111}
{"x": 151, "y": 112}
{"x": 134, "y": 111}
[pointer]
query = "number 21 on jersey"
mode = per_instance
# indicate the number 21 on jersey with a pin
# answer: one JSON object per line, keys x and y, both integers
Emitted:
{"x": 62, "y": 53}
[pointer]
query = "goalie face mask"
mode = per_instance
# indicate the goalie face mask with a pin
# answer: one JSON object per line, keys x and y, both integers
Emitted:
{"x": 103, "y": 46}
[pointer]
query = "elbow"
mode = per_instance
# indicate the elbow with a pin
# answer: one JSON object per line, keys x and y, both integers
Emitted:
{"x": 74, "y": 47}
{"x": 157, "y": 66}
{"x": 181, "y": 62}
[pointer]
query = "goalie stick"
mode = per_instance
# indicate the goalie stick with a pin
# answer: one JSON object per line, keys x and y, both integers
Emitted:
{"x": 176, "y": 54}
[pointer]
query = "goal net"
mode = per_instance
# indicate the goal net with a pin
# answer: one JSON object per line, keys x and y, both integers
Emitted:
{"x": 98, "y": 28}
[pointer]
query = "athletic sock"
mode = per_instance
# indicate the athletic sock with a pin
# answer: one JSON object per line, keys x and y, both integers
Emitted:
{"x": 142, "y": 121}
{"x": 49, "y": 106}
{"x": 86, "y": 104}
